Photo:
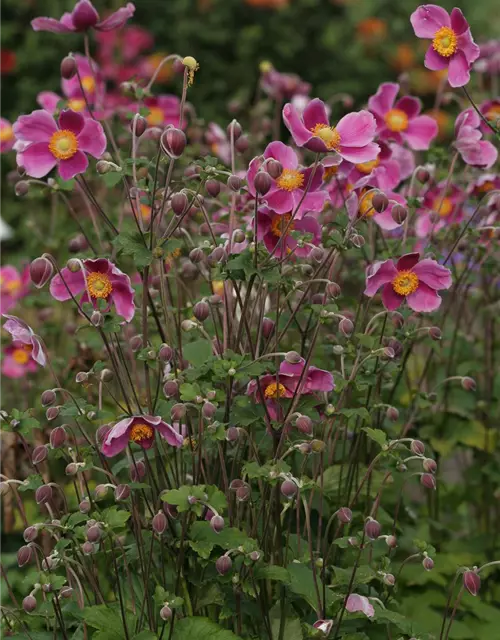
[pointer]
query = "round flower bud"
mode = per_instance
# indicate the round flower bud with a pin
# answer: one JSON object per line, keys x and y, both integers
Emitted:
{"x": 223, "y": 565}
{"x": 137, "y": 470}
{"x": 435, "y": 333}
{"x": 274, "y": 168}
{"x": 241, "y": 145}
{"x": 354, "y": 542}
{"x": 372, "y": 529}
{"x": 21, "y": 189}
{"x": 304, "y": 424}
{"x": 389, "y": 579}
{"x": 292, "y": 357}
{"x": 428, "y": 563}
{"x": 217, "y": 523}
{"x": 243, "y": 493}
{"x": 66, "y": 592}
{"x": 232, "y": 434}
{"x": 391, "y": 542}
{"x": 159, "y": 523}
{"x": 392, "y": 414}
{"x": 212, "y": 187}
{"x": 196, "y": 255}
{"x": 68, "y": 67}
{"x": 380, "y": 202}
{"x": 29, "y": 604}
{"x": 179, "y": 203}
{"x": 52, "y": 413}
{"x": 178, "y": 412}
{"x": 357, "y": 240}
{"x": 94, "y": 533}
{"x": 428, "y": 481}
{"x": 173, "y": 142}
{"x": 30, "y": 533}
{"x": 88, "y": 548}
{"x": 81, "y": 377}
{"x": 100, "y": 491}
{"x": 417, "y": 447}
{"x": 317, "y": 446}
{"x": 208, "y": 410}
{"x": 469, "y": 384}
{"x": 397, "y": 320}
{"x": 48, "y": 397}
{"x": 24, "y": 555}
{"x": 139, "y": 124}
{"x": 262, "y": 182}
{"x": 43, "y": 494}
{"x": 472, "y": 582}
{"x": 423, "y": 175}
{"x": 289, "y": 489}
{"x": 234, "y": 183}
{"x": 39, "y": 454}
{"x": 346, "y": 327}
{"x": 234, "y": 130}
{"x": 399, "y": 213}
{"x": 97, "y": 319}
{"x": 41, "y": 271}
{"x": 201, "y": 311}
{"x": 165, "y": 613}
{"x": 267, "y": 327}
{"x": 73, "y": 265}
{"x": 57, "y": 437}
{"x": 71, "y": 469}
{"x": 429, "y": 465}
{"x": 135, "y": 343}
{"x": 122, "y": 492}
{"x": 344, "y": 514}
{"x": 84, "y": 506}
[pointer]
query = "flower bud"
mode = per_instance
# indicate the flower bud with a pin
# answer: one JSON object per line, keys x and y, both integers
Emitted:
{"x": 234, "y": 183}
{"x": 159, "y": 523}
{"x": 139, "y": 124}
{"x": 304, "y": 424}
{"x": 179, "y": 203}
{"x": 435, "y": 333}
{"x": 391, "y": 542}
{"x": 422, "y": 175}
{"x": 97, "y": 319}
{"x": 100, "y": 491}
{"x": 428, "y": 563}
{"x": 201, "y": 311}
{"x": 274, "y": 168}
{"x": 41, "y": 271}
{"x": 254, "y": 556}
{"x": 196, "y": 255}
{"x": 472, "y": 582}
{"x": 94, "y": 533}
{"x": 267, "y": 327}
{"x": 57, "y": 437}
{"x": 88, "y": 548}
{"x": 39, "y": 454}
{"x": 428, "y": 481}
{"x": 262, "y": 182}
{"x": 392, "y": 414}
{"x": 399, "y": 213}
{"x": 232, "y": 434}
{"x": 241, "y": 145}
{"x": 173, "y": 142}
{"x": 344, "y": 514}
{"x": 234, "y": 130}
{"x": 43, "y": 494}
{"x": 372, "y": 528}
{"x": 243, "y": 493}
{"x": 217, "y": 523}
{"x": 346, "y": 327}
{"x": 208, "y": 410}
{"x": 30, "y": 533}
{"x": 84, "y": 506}
{"x": 417, "y": 447}
{"x": 289, "y": 489}
{"x": 469, "y": 384}
{"x": 357, "y": 240}
{"x": 66, "y": 592}
{"x": 380, "y": 202}
{"x": 317, "y": 446}
{"x": 178, "y": 412}
{"x": 71, "y": 469}
{"x": 429, "y": 465}
{"x": 389, "y": 579}
{"x": 68, "y": 67}
{"x": 47, "y": 398}
{"x": 223, "y": 565}
{"x": 81, "y": 377}
{"x": 212, "y": 187}
{"x": 52, "y": 413}
{"x": 122, "y": 492}
{"x": 165, "y": 613}
{"x": 29, "y": 604}
{"x": 24, "y": 555}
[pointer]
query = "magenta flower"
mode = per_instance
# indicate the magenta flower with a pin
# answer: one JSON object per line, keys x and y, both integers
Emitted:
{"x": 218, "y": 141}
{"x": 287, "y": 191}
{"x": 13, "y": 286}
{"x": 491, "y": 111}
{"x": 384, "y": 172}
{"x": 356, "y": 603}
{"x": 47, "y": 144}
{"x": 282, "y": 86}
{"x": 439, "y": 210}
{"x": 272, "y": 225}
{"x": 352, "y": 138}
{"x": 360, "y": 204}
{"x": 17, "y": 360}
{"x": 83, "y": 17}
{"x": 411, "y": 279}
{"x": 452, "y": 44}
{"x": 23, "y": 333}
{"x": 99, "y": 280}
{"x": 163, "y": 110}
{"x": 474, "y": 150}
{"x": 400, "y": 121}
{"x": 7, "y": 138}
{"x": 141, "y": 430}
{"x": 484, "y": 184}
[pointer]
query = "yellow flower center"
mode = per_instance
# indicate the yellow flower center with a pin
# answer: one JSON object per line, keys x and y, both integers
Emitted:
{"x": 329, "y": 135}
{"x": 280, "y": 223}
{"x": 12, "y": 286}
{"x": 99, "y": 284}
{"x": 290, "y": 180}
{"x": 190, "y": 443}
{"x": 405, "y": 282}
{"x": 21, "y": 356}
{"x": 63, "y": 144}
{"x": 274, "y": 391}
{"x": 6, "y": 133}
{"x": 165, "y": 72}
{"x": 145, "y": 212}
{"x": 172, "y": 256}
{"x": 88, "y": 83}
{"x": 445, "y": 42}
{"x": 140, "y": 432}
{"x": 443, "y": 208}
{"x": 486, "y": 186}
{"x": 329, "y": 172}
{"x": 155, "y": 117}
{"x": 76, "y": 104}
{"x": 493, "y": 113}
{"x": 396, "y": 120}
{"x": 366, "y": 204}
{"x": 368, "y": 167}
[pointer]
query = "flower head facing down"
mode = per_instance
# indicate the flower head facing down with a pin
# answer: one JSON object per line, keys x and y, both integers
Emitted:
{"x": 100, "y": 279}
{"x": 271, "y": 226}
{"x": 18, "y": 360}
{"x": 356, "y": 603}
{"x": 400, "y": 120}
{"x": 352, "y": 137}
{"x": 411, "y": 279}
{"x": 141, "y": 430}
{"x": 46, "y": 143}
{"x": 84, "y": 17}
{"x": 13, "y": 286}
{"x": 469, "y": 143}
{"x": 452, "y": 45}
{"x": 23, "y": 334}
{"x": 163, "y": 110}
{"x": 7, "y": 137}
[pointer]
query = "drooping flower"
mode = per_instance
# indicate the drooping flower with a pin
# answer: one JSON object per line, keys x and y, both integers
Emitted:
{"x": 356, "y": 603}
{"x": 484, "y": 184}
{"x": 400, "y": 121}
{"x": 7, "y": 137}
{"x": 491, "y": 111}
{"x": 271, "y": 226}
{"x": 360, "y": 205}
{"x": 452, "y": 44}
{"x": 46, "y": 143}
{"x": 352, "y": 137}
{"x": 469, "y": 143}
{"x": 287, "y": 191}
{"x": 218, "y": 141}
{"x": 99, "y": 280}
{"x": 411, "y": 279}
{"x": 17, "y": 360}
{"x": 13, "y": 286}
{"x": 84, "y": 17}
{"x": 281, "y": 86}
{"x": 439, "y": 208}
{"x": 141, "y": 430}
{"x": 23, "y": 333}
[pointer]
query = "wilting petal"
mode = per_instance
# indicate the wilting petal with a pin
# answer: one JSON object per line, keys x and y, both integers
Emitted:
{"x": 427, "y": 19}
{"x": 37, "y": 160}
{"x": 380, "y": 273}
{"x": 73, "y": 166}
{"x": 38, "y": 353}
{"x": 423, "y": 299}
{"x": 50, "y": 24}
{"x": 359, "y": 603}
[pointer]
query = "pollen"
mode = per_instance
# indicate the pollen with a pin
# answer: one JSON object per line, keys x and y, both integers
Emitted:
{"x": 368, "y": 167}
{"x": 6, "y": 133}
{"x": 366, "y": 204}
{"x": 20, "y": 356}
{"x": 329, "y": 135}
{"x": 274, "y": 391}
{"x": 493, "y": 113}
{"x": 99, "y": 284}
{"x": 190, "y": 443}
{"x": 290, "y": 180}
{"x": 88, "y": 83}
{"x": 155, "y": 117}
{"x": 443, "y": 206}
{"x": 76, "y": 104}
{"x": 12, "y": 286}
{"x": 329, "y": 173}
{"x": 141, "y": 432}
{"x": 280, "y": 223}
{"x": 63, "y": 144}
{"x": 405, "y": 282}
{"x": 396, "y": 120}
{"x": 445, "y": 42}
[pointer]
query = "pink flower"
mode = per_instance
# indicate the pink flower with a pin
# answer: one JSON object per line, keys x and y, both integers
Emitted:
{"x": 17, "y": 360}
{"x": 287, "y": 191}
{"x": 218, "y": 141}
{"x": 271, "y": 226}
{"x": 13, "y": 286}
{"x": 47, "y": 144}
{"x": 163, "y": 110}
{"x": 100, "y": 280}
{"x": 405, "y": 159}
{"x": 23, "y": 333}
{"x": 484, "y": 184}
{"x": 282, "y": 86}
{"x": 384, "y": 172}
{"x": 352, "y": 138}
{"x": 141, "y": 430}
{"x": 361, "y": 205}
{"x": 7, "y": 138}
{"x": 83, "y": 17}
{"x": 325, "y": 626}
{"x": 400, "y": 121}
{"x": 118, "y": 52}
{"x": 491, "y": 111}
{"x": 439, "y": 210}
{"x": 410, "y": 278}
{"x": 359, "y": 603}
{"x": 452, "y": 44}
{"x": 474, "y": 150}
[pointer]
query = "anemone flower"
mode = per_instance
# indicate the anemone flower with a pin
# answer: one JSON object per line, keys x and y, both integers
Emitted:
{"x": 141, "y": 430}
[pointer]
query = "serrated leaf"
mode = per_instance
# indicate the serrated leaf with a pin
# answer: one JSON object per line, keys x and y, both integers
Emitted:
{"x": 197, "y": 352}
{"x": 377, "y": 435}
{"x": 197, "y": 628}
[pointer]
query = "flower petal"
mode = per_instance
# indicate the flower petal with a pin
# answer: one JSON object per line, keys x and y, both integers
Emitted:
{"x": 92, "y": 138}
{"x": 458, "y": 22}
{"x": 408, "y": 261}
{"x": 357, "y": 129}
{"x": 280, "y": 201}
{"x": 420, "y": 133}
{"x": 71, "y": 120}
{"x": 383, "y": 100}
{"x": 117, "y": 439}
{"x": 360, "y": 154}
{"x": 73, "y": 166}
{"x": 74, "y": 281}
{"x": 434, "y": 61}
{"x": 427, "y": 19}
{"x": 116, "y": 19}
{"x": 48, "y": 100}
{"x": 433, "y": 274}
{"x": 378, "y": 274}
{"x": 50, "y": 24}
{"x": 390, "y": 299}
{"x": 284, "y": 154}
{"x": 315, "y": 113}
{"x": 123, "y": 297}
{"x": 424, "y": 299}
{"x": 37, "y": 127}
{"x": 410, "y": 105}
{"x": 37, "y": 160}
{"x": 295, "y": 125}
{"x": 173, "y": 438}
{"x": 459, "y": 70}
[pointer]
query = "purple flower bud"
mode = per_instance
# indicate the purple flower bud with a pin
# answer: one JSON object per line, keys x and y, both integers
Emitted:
{"x": 135, "y": 343}
{"x": 71, "y": 469}
{"x": 81, "y": 377}
{"x": 372, "y": 529}
{"x": 39, "y": 454}
{"x": 346, "y": 327}
{"x": 22, "y": 187}
{"x": 48, "y": 397}
{"x": 241, "y": 145}
{"x": 274, "y": 168}
{"x": 428, "y": 481}
{"x": 66, "y": 592}
{"x": 469, "y": 384}
{"x": 304, "y": 424}
{"x": 399, "y": 213}
{"x": 267, "y": 327}
{"x": 24, "y": 555}
{"x": 29, "y": 604}
{"x": 254, "y": 556}
{"x": 422, "y": 175}
{"x": 417, "y": 447}
{"x": 57, "y": 437}
{"x": 429, "y": 465}
{"x": 217, "y": 256}
{"x": 43, "y": 494}
{"x": 159, "y": 522}
{"x": 173, "y": 142}
{"x": 289, "y": 489}
{"x": 292, "y": 357}
{"x": 94, "y": 533}
{"x": 212, "y": 187}
{"x": 217, "y": 523}
{"x": 30, "y": 534}
{"x": 333, "y": 290}
{"x": 324, "y": 626}
{"x": 137, "y": 470}
{"x": 317, "y": 254}
{"x": 234, "y": 130}
{"x": 262, "y": 182}
{"x": 122, "y": 492}
{"x": 391, "y": 542}
{"x": 170, "y": 388}
{"x": 88, "y": 548}
{"x": 52, "y": 413}
{"x": 357, "y": 240}
{"x": 435, "y": 333}
{"x": 223, "y": 565}
{"x": 380, "y": 202}
{"x": 97, "y": 319}
{"x": 208, "y": 410}
{"x": 201, "y": 311}
{"x": 178, "y": 412}
{"x": 73, "y": 265}
{"x": 243, "y": 493}
{"x": 140, "y": 125}
{"x": 389, "y": 579}
{"x": 165, "y": 353}
{"x": 232, "y": 434}
{"x": 84, "y": 505}
{"x": 41, "y": 271}
{"x": 179, "y": 203}
{"x": 472, "y": 582}
{"x": 234, "y": 183}
{"x": 196, "y": 255}
{"x": 68, "y": 67}
{"x": 344, "y": 514}
{"x": 165, "y": 613}
{"x": 397, "y": 320}
{"x": 192, "y": 500}
{"x": 428, "y": 563}
{"x": 392, "y": 414}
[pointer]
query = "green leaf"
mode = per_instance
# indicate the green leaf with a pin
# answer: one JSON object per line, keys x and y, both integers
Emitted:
{"x": 115, "y": 517}
{"x": 132, "y": 244}
{"x": 274, "y": 572}
{"x": 292, "y": 627}
{"x": 197, "y": 628}
{"x": 189, "y": 391}
{"x": 112, "y": 178}
{"x": 107, "y": 621}
{"x": 302, "y": 584}
{"x": 377, "y": 435}
{"x": 197, "y": 352}
{"x": 228, "y": 538}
